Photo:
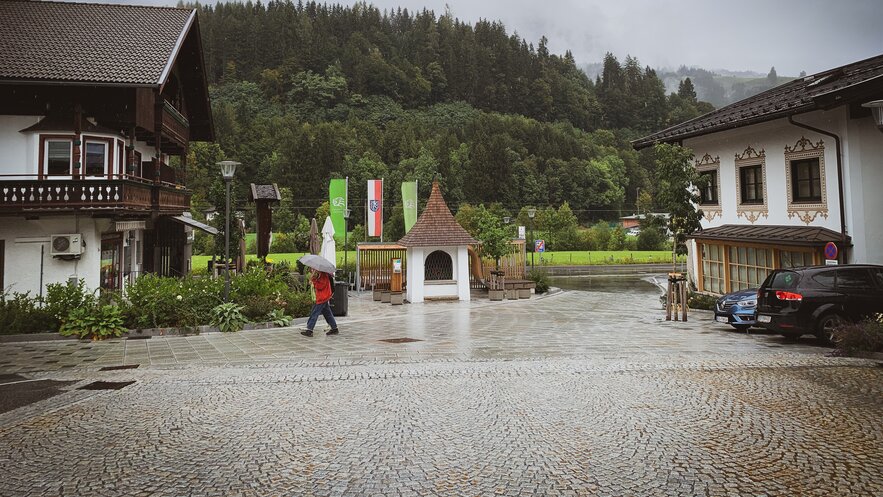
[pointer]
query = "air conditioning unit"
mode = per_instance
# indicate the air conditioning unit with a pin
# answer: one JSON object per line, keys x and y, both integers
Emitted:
{"x": 66, "y": 245}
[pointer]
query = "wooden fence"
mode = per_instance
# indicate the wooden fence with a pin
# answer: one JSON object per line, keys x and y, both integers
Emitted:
{"x": 513, "y": 264}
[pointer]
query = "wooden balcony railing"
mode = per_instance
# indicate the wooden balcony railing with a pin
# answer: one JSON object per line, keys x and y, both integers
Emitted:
{"x": 29, "y": 195}
{"x": 174, "y": 124}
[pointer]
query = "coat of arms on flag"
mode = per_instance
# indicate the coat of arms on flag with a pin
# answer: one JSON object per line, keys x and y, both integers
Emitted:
{"x": 375, "y": 207}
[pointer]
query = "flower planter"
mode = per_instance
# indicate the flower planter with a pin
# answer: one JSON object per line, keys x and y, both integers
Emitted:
{"x": 377, "y": 296}
{"x": 396, "y": 298}
{"x": 496, "y": 294}
{"x": 384, "y": 296}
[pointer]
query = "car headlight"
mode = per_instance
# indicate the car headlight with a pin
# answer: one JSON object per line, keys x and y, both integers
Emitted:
{"x": 747, "y": 303}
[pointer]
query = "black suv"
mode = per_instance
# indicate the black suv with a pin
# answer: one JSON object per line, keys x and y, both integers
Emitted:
{"x": 816, "y": 300}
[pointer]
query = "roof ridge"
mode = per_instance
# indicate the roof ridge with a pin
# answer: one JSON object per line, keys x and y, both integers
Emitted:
{"x": 104, "y": 4}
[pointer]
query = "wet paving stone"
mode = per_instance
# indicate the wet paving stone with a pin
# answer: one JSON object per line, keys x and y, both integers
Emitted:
{"x": 559, "y": 396}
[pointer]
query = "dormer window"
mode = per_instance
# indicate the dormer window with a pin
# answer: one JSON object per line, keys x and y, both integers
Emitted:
{"x": 59, "y": 154}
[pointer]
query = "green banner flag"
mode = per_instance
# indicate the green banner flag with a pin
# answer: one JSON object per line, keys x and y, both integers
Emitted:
{"x": 409, "y": 203}
{"x": 337, "y": 202}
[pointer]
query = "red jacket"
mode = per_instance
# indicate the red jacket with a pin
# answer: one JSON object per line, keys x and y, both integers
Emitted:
{"x": 322, "y": 283}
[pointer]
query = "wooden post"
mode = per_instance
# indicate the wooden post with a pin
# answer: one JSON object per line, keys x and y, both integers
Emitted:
{"x": 684, "y": 300}
{"x": 668, "y": 301}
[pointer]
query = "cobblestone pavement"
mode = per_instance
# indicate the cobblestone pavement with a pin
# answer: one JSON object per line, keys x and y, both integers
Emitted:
{"x": 558, "y": 396}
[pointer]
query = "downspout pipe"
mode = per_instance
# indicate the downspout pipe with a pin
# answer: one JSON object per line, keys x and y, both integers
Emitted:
{"x": 842, "y": 202}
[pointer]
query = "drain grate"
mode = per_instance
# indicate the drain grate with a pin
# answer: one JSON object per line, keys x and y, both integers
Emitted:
{"x": 106, "y": 385}
{"x": 400, "y": 340}
{"x": 138, "y": 337}
{"x": 115, "y": 368}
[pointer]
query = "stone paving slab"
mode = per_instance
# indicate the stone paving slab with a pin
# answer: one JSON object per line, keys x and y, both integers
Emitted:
{"x": 584, "y": 393}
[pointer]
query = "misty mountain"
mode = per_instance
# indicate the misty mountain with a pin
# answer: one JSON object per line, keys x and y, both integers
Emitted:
{"x": 719, "y": 87}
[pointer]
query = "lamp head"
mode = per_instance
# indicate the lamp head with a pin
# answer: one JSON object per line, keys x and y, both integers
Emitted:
{"x": 228, "y": 169}
{"x": 346, "y": 213}
{"x": 876, "y": 107}
{"x": 531, "y": 212}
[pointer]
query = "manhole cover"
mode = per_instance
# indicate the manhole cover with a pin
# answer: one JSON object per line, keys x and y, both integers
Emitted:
{"x": 114, "y": 368}
{"x": 400, "y": 340}
{"x": 106, "y": 385}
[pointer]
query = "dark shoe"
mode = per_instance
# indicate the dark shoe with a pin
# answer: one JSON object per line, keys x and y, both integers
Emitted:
{"x": 333, "y": 331}
{"x": 307, "y": 333}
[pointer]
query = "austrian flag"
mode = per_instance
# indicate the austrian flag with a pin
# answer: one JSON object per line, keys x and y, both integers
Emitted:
{"x": 375, "y": 207}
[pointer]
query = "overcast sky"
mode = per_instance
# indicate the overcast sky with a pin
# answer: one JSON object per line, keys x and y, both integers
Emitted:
{"x": 792, "y": 35}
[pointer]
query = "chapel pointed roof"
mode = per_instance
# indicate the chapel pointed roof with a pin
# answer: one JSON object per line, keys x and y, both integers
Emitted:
{"x": 436, "y": 226}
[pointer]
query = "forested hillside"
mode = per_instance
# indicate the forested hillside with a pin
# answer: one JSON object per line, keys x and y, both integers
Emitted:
{"x": 303, "y": 92}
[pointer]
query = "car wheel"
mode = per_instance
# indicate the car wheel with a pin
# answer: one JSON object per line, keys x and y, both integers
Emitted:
{"x": 741, "y": 327}
{"x": 827, "y": 325}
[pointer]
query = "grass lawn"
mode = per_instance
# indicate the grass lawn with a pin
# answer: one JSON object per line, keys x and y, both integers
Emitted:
{"x": 573, "y": 258}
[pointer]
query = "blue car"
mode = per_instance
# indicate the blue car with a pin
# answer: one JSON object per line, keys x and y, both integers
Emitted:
{"x": 738, "y": 309}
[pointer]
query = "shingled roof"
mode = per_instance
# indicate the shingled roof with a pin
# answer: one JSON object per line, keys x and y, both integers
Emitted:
{"x": 857, "y": 82}
{"x": 436, "y": 226}
{"x": 90, "y": 43}
{"x": 781, "y": 235}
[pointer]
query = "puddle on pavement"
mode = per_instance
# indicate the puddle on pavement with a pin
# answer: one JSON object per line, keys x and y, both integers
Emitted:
{"x": 640, "y": 284}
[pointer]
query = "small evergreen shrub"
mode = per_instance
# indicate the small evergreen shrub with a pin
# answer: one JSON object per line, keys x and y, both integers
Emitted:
{"x": 541, "y": 278}
{"x": 857, "y": 339}
{"x": 701, "y": 301}
{"x": 21, "y": 313}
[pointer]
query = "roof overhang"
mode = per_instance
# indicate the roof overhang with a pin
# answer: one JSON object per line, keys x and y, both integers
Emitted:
{"x": 794, "y": 236}
{"x": 193, "y": 223}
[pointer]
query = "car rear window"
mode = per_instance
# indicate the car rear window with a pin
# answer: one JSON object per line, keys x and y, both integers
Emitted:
{"x": 784, "y": 280}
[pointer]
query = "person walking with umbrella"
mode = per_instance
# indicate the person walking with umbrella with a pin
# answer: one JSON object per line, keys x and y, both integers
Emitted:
{"x": 323, "y": 284}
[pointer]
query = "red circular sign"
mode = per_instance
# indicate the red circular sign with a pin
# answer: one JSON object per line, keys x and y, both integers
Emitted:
{"x": 830, "y": 250}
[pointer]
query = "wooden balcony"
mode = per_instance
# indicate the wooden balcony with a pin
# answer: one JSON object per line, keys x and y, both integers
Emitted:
{"x": 174, "y": 124}
{"x": 52, "y": 195}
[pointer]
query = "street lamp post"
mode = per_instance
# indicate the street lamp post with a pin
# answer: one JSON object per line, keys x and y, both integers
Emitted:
{"x": 346, "y": 218}
{"x": 531, "y": 212}
{"x": 228, "y": 169}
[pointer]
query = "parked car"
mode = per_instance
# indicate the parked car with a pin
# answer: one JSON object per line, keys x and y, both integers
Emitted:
{"x": 737, "y": 309}
{"x": 815, "y": 300}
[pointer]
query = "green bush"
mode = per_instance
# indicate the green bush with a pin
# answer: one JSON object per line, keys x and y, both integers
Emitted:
{"x": 857, "y": 339}
{"x": 62, "y": 298}
{"x": 21, "y": 313}
{"x": 298, "y": 303}
{"x": 255, "y": 282}
{"x": 541, "y": 278}
{"x": 95, "y": 322}
{"x": 155, "y": 301}
{"x": 701, "y": 301}
{"x": 652, "y": 238}
{"x": 228, "y": 317}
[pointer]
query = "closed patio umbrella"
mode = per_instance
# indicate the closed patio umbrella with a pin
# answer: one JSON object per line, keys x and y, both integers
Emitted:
{"x": 329, "y": 249}
{"x": 314, "y": 237}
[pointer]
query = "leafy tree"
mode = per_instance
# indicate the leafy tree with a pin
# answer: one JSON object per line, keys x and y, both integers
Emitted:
{"x": 677, "y": 191}
{"x": 494, "y": 237}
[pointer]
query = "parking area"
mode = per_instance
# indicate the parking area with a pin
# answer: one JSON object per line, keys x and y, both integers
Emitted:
{"x": 587, "y": 392}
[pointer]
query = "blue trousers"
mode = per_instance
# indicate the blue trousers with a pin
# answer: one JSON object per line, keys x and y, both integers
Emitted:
{"x": 325, "y": 310}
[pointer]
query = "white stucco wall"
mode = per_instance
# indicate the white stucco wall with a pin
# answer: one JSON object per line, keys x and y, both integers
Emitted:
{"x": 863, "y": 172}
{"x": 772, "y": 138}
{"x": 18, "y": 151}
{"x": 862, "y": 162}
{"x": 23, "y": 239}
{"x": 417, "y": 291}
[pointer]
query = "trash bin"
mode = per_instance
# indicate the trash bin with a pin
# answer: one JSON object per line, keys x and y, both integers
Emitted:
{"x": 340, "y": 299}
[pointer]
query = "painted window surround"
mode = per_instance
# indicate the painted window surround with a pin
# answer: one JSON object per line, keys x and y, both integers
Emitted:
{"x": 806, "y": 211}
{"x": 751, "y": 212}
{"x": 711, "y": 164}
